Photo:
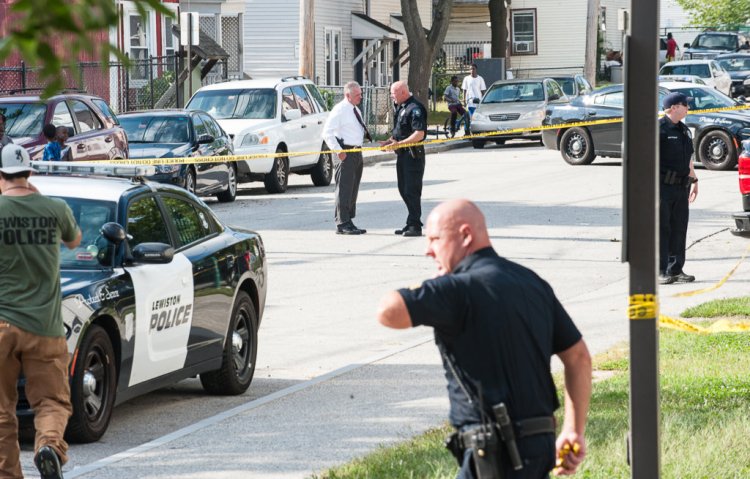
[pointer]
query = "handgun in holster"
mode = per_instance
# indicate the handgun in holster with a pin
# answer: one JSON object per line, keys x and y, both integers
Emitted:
{"x": 507, "y": 435}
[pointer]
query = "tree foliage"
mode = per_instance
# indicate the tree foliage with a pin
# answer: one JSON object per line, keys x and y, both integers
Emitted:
{"x": 717, "y": 13}
{"x": 52, "y": 34}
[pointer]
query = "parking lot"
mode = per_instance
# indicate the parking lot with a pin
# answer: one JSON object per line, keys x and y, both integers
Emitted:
{"x": 562, "y": 221}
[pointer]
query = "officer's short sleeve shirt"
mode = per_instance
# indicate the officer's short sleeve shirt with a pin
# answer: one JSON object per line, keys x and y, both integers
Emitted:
{"x": 502, "y": 323}
{"x": 675, "y": 147}
{"x": 411, "y": 116}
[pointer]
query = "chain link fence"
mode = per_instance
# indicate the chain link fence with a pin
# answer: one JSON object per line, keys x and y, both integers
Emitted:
{"x": 376, "y": 106}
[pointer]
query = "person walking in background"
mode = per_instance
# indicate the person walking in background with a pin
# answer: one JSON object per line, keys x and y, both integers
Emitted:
{"x": 409, "y": 126}
{"x": 452, "y": 96}
{"x": 52, "y": 148}
{"x": 32, "y": 335}
{"x": 496, "y": 325}
{"x": 671, "y": 48}
{"x": 474, "y": 88}
{"x": 345, "y": 129}
{"x": 678, "y": 187}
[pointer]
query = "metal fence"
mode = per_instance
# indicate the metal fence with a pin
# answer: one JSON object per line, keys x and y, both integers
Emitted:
{"x": 376, "y": 106}
{"x": 458, "y": 56}
{"x": 147, "y": 84}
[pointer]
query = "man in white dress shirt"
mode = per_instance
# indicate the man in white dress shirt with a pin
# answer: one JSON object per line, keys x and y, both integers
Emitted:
{"x": 344, "y": 130}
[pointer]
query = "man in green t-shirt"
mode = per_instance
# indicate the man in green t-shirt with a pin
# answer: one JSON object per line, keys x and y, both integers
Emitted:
{"x": 32, "y": 336}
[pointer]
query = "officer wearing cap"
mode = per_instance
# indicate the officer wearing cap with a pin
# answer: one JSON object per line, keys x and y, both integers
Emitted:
{"x": 409, "y": 126}
{"x": 678, "y": 186}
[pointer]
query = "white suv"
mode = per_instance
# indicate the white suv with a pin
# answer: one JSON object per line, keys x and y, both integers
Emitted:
{"x": 280, "y": 115}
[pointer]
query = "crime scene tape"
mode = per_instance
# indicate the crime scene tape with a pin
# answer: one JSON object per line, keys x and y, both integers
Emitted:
{"x": 717, "y": 285}
{"x": 720, "y": 326}
{"x": 642, "y": 306}
{"x": 257, "y": 156}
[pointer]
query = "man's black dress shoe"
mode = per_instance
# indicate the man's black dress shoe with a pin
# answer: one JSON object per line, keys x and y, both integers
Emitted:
{"x": 348, "y": 230}
{"x": 361, "y": 231}
{"x": 413, "y": 231}
{"x": 400, "y": 231}
{"x": 48, "y": 464}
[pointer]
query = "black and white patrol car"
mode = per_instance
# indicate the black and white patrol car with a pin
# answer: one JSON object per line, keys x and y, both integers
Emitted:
{"x": 158, "y": 290}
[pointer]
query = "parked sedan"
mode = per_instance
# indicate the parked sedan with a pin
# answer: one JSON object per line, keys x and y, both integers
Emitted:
{"x": 738, "y": 66}
{"x": 709, "y": 70}
{"x": 182, "y": 133}
{"x": 94, "y": 131}
{"x": 715, "y": 135}
{"x": 511, "y": 104}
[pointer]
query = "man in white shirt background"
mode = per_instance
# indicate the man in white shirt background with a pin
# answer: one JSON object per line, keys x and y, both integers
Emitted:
{"x": 344, "y": 130}
{"x": 473, "y": 87}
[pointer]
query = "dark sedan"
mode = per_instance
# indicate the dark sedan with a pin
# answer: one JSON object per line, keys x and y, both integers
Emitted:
{"x": 179, "y": 134}
{"x": 716, "y": 136}
{"x": 738, "y": 66}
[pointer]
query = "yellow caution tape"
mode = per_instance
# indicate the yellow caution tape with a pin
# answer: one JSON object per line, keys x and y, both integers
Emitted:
{"x": 720, "y": 326}
{"x": 717, "y": 285}
{"x": 566, "y": 449}
{"x": 642, "y": 306}
{"x": 257, "y": 156}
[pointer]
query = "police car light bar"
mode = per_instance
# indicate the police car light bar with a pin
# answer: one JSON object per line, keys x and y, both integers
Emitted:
{"x": 102, "y": 169}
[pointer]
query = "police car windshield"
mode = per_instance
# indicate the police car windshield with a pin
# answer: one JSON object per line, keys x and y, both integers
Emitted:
{"x": 94, "y": 251}
{"x": 251, "y": 104}
{"x": 23, "y": 119}
{"x": 514, "y": 92}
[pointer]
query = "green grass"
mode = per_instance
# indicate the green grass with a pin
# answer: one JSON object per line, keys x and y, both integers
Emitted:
{"x": 729, "y": 307}
{"x": 705, "y": 399}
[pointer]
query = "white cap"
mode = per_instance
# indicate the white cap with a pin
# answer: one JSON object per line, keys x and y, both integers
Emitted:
{"x": 15, "y": 159}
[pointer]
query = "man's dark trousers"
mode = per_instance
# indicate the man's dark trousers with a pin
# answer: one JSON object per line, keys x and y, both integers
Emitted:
{"x": 348, "y": 175}
{"x": 410, "y": 171}
{"x": 674, "y": 213}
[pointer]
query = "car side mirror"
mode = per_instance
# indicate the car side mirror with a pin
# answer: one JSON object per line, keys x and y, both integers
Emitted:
{"x": 205, "y": 139}
{"x": 113, "y": 232}
{"x": 155, "y": 253}
{"x": 687, "y": 45}
{"x": 741, "y": 99}
{"x": 293, "y": 114}
{"x": 554, "y": 97}
{"x": 475, "y": 100}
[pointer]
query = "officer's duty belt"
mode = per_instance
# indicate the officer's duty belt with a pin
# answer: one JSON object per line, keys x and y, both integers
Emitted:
{"x": 533, "y": 426}
{"x": 672, "y": 178}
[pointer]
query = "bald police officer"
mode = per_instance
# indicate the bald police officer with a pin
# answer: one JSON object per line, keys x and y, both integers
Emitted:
{"x": 409, "y": 126}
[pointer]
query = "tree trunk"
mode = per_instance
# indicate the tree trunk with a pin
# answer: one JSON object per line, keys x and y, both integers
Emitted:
{"x": 499, "y": 28}
{"x": 424, "y": 47}
{"x": 592, "y": 31}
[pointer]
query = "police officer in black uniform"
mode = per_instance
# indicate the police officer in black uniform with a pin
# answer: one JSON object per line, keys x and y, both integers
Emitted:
{"x": 497, "y": 324}
{"x": 409, "y": 126}
{"x": 678, "y": 186}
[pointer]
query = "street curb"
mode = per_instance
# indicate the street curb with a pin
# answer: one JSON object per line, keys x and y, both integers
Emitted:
{"x": 379, "y": 157}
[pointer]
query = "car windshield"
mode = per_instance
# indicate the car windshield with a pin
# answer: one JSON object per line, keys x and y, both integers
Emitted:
{"x": 23, "y": 119}
{"x": 156, "y": 129}
{"x": 514, "y": 92}
{"x": 735, "y": 64}
{"x": 715, "y": 42}
{"x": 253, "y": 104}
{"x": 697, "y": 69}
{"x": 94, "y": 251}
{"x": 568, "y": 85}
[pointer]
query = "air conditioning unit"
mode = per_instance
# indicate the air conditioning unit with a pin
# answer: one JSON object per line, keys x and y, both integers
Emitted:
{"x": 523, "y": 47}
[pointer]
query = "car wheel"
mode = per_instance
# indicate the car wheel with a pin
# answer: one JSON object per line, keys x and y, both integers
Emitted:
{"x": 231, "y": 192}
{"x": 499, "y": 142}
{"x": 240, "y": 350}
{"x": 478, "y": 144}
{"x": 716, "y": 151}
{"x": 576, "y": 147}
{"x": 322, "y": 172}
{"x": 190, "y": 180}
{"x": 447, "y": 130}
{"x": 92, "y": 388}
{"x": 277, "y": 179}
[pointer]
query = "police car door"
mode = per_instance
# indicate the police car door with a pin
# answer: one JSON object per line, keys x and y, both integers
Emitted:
{"x": 163, "y": 297}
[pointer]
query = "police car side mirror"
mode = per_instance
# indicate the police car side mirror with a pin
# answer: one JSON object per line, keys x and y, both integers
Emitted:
{"x": 114, "y": 232}
{"x": 158, "y": 253}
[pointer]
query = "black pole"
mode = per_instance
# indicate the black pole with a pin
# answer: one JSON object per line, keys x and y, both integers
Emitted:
{"x": 151, "y": 79}
{"x": 23, "y": 76}
{"x": 127, "y": 83}
{"x": 640, "y": 159}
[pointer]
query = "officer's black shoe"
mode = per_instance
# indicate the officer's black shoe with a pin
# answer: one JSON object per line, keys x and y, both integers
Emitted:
{"x": 413, "y": 231}
{"x": 400, "y": 231}
{"x": 684, "y": 278}
{"x": 48, "y": 463}
{"x": 666, "y": 279}
{"x": 361, "y": 231}
{"x": 348, "y": 230}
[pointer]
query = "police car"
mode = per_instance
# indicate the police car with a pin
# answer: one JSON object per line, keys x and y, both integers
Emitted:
{"x": 158, "y": 290}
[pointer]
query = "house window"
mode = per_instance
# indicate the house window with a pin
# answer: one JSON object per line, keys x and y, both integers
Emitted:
{"x": 333, "y": 57}
{"x": 137, "y": 45}
{"x": 379, "y": 67}
{"x": 168, "y": 36}
{"x": 523, "y": 31}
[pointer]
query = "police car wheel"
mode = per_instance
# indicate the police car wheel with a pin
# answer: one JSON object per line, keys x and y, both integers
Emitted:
{"x": 231, "y": 192}
{"x": 576, "y": 147}
{"x": 92, "y": 387}
{"x": 716, "y": 151}
{"x": 277, "y": 179}
{"x": 322, "y": 173}
{"x": 240, "y": 350}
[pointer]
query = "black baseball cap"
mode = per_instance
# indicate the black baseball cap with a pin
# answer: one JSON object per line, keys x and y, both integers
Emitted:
{"x": 675, "y": 98}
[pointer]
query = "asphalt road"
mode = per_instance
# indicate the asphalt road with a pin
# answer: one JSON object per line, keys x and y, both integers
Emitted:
{"x": 323, "y": 360}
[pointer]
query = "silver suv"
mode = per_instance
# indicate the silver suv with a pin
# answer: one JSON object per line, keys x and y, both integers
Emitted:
{"x": 272, "y": 116}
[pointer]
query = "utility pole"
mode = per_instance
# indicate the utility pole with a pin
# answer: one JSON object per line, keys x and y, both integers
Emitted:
{"x": 592, "y": 34}
{"x": 306, "y": 38}
{"x": 641, "y": 173}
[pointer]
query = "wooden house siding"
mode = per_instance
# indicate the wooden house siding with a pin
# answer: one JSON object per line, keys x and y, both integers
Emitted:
{"x": 271, "y": 38}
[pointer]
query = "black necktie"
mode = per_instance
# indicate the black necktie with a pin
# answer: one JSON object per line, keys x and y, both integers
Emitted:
{"x": 359, "y": 119}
